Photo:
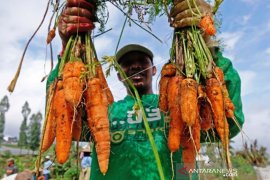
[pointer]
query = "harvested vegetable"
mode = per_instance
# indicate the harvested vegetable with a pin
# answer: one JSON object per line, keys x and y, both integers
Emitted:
{"x": 98, "y": 122}
{"x": 168, "y": 70}
{"x": 176, "y": 123}
{"x": 207, "y": 24}
{"x": 214, "y": 93}
{"x": 50, "y": 36}
{"x": 77, "y": 124}
{"x": 163, "y": 94}
{"x": 229, "y": 106}
{"x": 104, "y": 83}
{"x": 72, "y": 83}
{"x": 188, "y": 101}
{"x": 63, "y": 115}
{"x": 50, "y": 126}
{"x": 189, "y": 152}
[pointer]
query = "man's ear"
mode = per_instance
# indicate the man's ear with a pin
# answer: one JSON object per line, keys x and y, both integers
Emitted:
{"x": 154, "y": 70}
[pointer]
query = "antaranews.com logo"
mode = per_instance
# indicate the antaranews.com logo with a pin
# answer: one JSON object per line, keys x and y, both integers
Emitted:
{"x": 181, "y": 171}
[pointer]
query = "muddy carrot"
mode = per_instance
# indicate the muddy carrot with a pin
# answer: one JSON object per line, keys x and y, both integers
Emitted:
{"x": 73, "y": 84}
{"x": 196, "y": 133}
{"x": 163, "y": 94}
{"x": 214, "y": 93}
{"x": 229, "y": 106}
{"x": 176, "y": 123}
{"x": 63, "y": 116}
{"x": 205, "y": 115}
{"x": 207, "y": 24}
{"x": 49, "y": 132}
{"x": 188, "y": 101}
{"x": 106, "y": 88}
{"x": 168, "y": 70}
{"x": 97, "y": 116}
{"x": 50, "y": 36}
{"x": 77, "y": 124}
{"x": 188, "y": 152}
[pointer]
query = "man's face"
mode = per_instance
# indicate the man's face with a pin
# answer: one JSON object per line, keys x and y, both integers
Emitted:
{"x": 139, "y": 68}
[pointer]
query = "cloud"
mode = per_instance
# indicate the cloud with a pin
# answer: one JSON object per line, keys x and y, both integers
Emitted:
{"x": 231, "y": 39}
{"x": 255, "y": 126}
{"x": 246, "y": 19}
{"x": 247, "y": 79}
{"x": 267, "y": 51}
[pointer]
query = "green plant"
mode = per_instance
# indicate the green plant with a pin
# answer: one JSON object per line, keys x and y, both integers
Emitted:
{"x": 254, "y": 154}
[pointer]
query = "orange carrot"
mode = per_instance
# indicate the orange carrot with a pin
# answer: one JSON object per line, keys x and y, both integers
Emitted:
{"x": 98, "y": 122}
{"x": 191, "y": 145}
{"x": 73, "y": 85}
{"x": 201, "y": 92}
{"x": 176, "y": 123}
{"x": 214, "y": 93}
{"x": 50, "y": 36}
{"x": 205, "y": 115}
{"x": 49, "y": 132}
{"x": 163, "y": 99}
{"x": 63, "y": 116}
{"x": 77, "y": 125}
{"x": 196, "y": 132}
{"x": 106, "y": 88}
{"x": 229, "y": 106}
{"x": 168, "y": 70}
{"x": 204, "y": 109}
{"x": 207, "y": 24}
{"x": 189, "y": 151}
{"x": 188, "y": 101}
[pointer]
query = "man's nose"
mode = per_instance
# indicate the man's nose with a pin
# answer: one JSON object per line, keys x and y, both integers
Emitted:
{"x": 135, "y": 66}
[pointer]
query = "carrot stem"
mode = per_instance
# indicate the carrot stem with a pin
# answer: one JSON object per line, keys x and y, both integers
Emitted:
{"x": 66, "y": 54}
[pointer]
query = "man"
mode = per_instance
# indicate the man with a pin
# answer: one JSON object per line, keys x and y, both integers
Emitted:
{"x": 46, "y": 167}
{"x": 131, "y": 153}
{"x": 11, "y": 168}
{"x": 86, "y": 161}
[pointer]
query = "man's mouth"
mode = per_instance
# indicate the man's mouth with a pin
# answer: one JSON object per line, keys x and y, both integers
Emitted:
{"x": 136, "y": 77}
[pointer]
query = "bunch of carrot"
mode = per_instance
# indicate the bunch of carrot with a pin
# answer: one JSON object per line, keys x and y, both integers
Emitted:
{"x": 194, "y": 93}
{"x": 80, "y": 86}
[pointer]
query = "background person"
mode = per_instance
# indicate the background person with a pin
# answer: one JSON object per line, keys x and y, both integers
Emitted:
{"x": 86, "y": 161}
{"x": 46, "y": 167}
{"x": 11, "y": 168}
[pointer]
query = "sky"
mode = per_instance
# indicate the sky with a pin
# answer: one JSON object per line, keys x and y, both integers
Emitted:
{"x": 244, "y": 33}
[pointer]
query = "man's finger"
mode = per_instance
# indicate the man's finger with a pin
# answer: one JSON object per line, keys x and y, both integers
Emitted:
{"x": 75, "y": 19}
{"x": 184, "y": 5}
{"x": 75, "y": 11}
{"x": 185, "y": 22}
{"x": 74, "y": 28}
{"x": 80, "y": 3}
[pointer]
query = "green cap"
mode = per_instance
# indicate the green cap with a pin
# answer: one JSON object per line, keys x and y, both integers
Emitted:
{"x": 133, "y": 47}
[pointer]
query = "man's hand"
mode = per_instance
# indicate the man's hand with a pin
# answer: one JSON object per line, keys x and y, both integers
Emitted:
{"x": 78, "y": 16}
{"x": 187, "y": 13}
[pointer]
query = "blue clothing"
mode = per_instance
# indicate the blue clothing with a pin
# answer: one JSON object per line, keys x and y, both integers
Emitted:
{"x": 47, "y": 165}
{"x": 86, "y": 162}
